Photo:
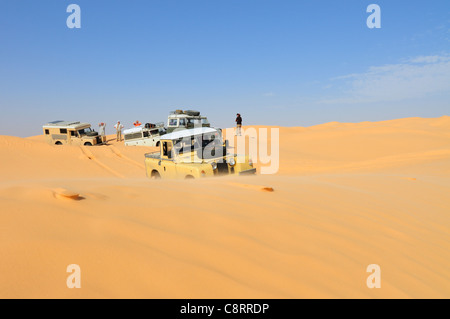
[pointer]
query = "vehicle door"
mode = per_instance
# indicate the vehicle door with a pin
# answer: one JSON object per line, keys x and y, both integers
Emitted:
{"x": 182, "y": 122}
{"x": 167, "y": 165}
{"x": 73, "y": 135}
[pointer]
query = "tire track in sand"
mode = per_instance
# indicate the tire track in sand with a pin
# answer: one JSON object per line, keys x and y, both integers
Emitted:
{"x": 91, "y": 157}
{"x": 124, "y": 157}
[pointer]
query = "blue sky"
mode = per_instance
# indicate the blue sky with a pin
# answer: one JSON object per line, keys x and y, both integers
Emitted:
{"x": 288, "y": 63}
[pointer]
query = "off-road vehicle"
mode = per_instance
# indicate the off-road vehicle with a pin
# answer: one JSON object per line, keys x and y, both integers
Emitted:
{"x": 195, "y": 153}
{"x": 71, "y": 133}
{"x": 188, "y": 119}
{"x": 148, "y": 135}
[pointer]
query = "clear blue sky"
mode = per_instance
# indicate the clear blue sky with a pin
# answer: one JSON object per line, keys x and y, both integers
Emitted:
{"x": 277, "y": 62}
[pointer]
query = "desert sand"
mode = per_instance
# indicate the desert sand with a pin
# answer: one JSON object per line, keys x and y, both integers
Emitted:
{"x": 346, "y": 195}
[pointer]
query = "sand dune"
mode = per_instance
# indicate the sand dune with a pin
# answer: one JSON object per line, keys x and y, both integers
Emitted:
{"x": 346, "y": 196}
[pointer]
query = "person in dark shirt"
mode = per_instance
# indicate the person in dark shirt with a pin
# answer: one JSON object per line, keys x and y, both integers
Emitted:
{"x": 238, "y": 124}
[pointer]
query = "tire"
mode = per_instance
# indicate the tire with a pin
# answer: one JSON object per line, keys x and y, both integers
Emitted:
{"x": 189, "y": 177}
{"x": 92, "y": 134}
{"x": 155, "y": 175}
{"x": 88, "y": 144}
{"x": 58, "y": 143}
{"x": 157, "y": 144}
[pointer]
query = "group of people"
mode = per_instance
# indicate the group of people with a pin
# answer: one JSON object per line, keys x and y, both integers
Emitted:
{"x": 119, "y": 127}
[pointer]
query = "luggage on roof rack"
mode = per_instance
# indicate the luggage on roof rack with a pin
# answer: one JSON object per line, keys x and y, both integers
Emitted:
{"x": 192, "y": 113}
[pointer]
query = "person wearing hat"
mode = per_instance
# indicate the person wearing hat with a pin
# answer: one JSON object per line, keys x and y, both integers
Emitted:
{"x": 238, "y": 124}
{"x": 119, "y": 128}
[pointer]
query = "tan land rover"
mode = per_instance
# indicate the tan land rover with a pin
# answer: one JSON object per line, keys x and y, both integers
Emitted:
{"x": 71, "y": 133}
{"x": 195, "y": 153}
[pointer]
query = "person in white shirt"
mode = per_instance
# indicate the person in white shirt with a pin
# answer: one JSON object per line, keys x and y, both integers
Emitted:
{"x": 119, "y": 128}
{"x": 102, "y": 127}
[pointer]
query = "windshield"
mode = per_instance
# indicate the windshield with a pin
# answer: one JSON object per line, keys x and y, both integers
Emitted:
{"x": 210, "y": 138}
{"x": 84, "y": 131}
{"x": 199, "y": 121}
{"x": 205, "y": 145}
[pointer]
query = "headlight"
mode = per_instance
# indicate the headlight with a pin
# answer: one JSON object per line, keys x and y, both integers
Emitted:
{"x": 231, "y": 161}
{"x": 214, "y": 165}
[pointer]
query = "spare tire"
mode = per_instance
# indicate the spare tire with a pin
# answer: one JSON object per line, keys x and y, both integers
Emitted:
{"x": 93, "y": 133}
{"x": 192, "y": 113}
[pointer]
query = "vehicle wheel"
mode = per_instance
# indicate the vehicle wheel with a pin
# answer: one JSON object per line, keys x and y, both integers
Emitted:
{"x": 58, "y": 143}
{"x": 88, "y": 144}
{"x": 155, "y": 175}
{"x": 157, "y": 144}
{"x": 189, "y": 177}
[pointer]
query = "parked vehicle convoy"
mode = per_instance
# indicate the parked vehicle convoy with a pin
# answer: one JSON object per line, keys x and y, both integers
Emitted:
{"x": 195, "y": 153}
{"x": 180, "y": 119}
{"x": 149, "y": 135}
{"x": 71, "y": 133}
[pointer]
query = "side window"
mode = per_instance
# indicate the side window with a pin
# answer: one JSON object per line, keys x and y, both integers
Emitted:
{"x": 167, "y": 149}
{"x": 47, "y": 132}
{"x": 63, "y": 130}
{"x": 73, "y": 133}
{"x": 145, "y": 133}
{"x": 182, "y": 122}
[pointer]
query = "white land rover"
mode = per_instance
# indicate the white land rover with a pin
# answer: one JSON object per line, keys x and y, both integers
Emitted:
{"x": 148, "y": 135}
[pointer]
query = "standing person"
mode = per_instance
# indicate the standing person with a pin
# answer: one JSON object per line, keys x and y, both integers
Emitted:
{"x": 119, "y": 128}
{"x": 137, "y": 123}
{"x": 238, "y": 124}
{"x": 102, "y": 127}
